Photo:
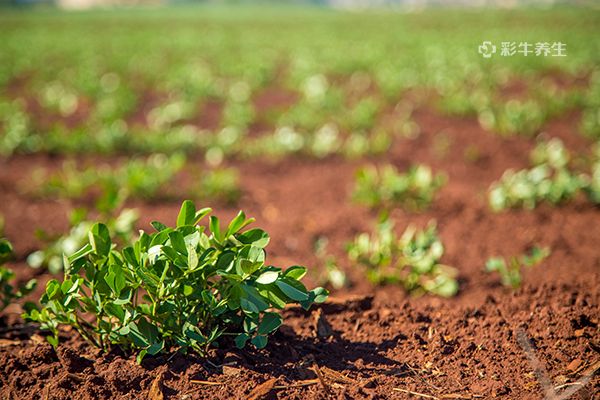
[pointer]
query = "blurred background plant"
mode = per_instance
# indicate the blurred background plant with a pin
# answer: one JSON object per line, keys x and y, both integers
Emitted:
{"x": 511, "y": 271}
{"x": 411, "y": 260}
{"x": 384, "y": 187}
{"x": 551, "y": 179}
{"x": 8, "y": 292}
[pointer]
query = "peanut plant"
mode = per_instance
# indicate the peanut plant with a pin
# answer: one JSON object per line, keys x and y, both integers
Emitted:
{"x": 332, "y": 274}
{"x": 181, "y": 287}
{"x": 411, "y": 260}
{"x": 510, "y": 272}
{"x": 549, "y": 180}
{"x": 137, "y": 178}
{"x": 8, "y": 293}
{"x": 386, "y": 187}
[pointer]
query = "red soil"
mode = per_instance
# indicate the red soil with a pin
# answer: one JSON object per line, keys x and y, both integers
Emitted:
{"x": 381, "y": 339}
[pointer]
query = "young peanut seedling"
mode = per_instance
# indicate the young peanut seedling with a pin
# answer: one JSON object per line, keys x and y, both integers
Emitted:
{"x": 137, "y": 178}
{"x": 412, "y": 260}
{"x": 52, "y": 256}
{"x": 8, "y": 293}
{"x": 220, "y": 184}
{"x": 510, "y": 272}
{"x": 181, "y": 287}
{"x": 515, "y": 117}
{"x": 333, "y": 275}
{"x": 386, "y": 187}
{"x": 548, "y": 180}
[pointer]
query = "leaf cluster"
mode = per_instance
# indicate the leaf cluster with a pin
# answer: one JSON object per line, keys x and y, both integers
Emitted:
{"x": 412, "y": 260}
{"x": 386, "y": 187}
{"x": 136, "y": 178}
{"x": 549, "y": 180}
{"x": 180, "y": 287}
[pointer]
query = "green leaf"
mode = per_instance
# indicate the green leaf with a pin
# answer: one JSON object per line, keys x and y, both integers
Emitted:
{"x": 270, "y": 322}
{"x": 251, "y": 323}
{"x": 178, "y": 242}
{"x": 259, "y": 341}
{"x": 240, "y": 340}
{"x": 194, "y": 333}
{"x": 256, "y": 237}
{"x": 187, "y": 214}
{"x": 159, "y": 226}
{"x": 201, "y": 214}
{"x": 320, "y": 294}
{"x": 232, "y": 277}
{"x": 115, "y": 279}
{"x": 70, "y": 285}
{"x": 192, "y": 258}
{"x": 275, "y": 296}
{"x": 238, "y": 223}
{"x": 248, "y": 305}
{"x": 267, "y": 277}
{"x": 115, "y": 310}
{"x": 155, "y": 348}
{"x": 159, "y": 238}
{"x": 495, "y": 264}
{"x": 130, "y": 256}
{"x": 53, "y": 340}
{"x": 225, "y": 261}
{"x": 99, "y": 237}
{"x": 81, "y": 253}
{"x": 140, "y": 357}
{"x": 296, "y": 272}
{"x": 124, "y": 297}
{"x": 251, "y": 300}
{"x": 5, "y": 251}
{"x": 52, "y": 289}
{"x": 215, "y": 228}
{"x": 292, "y": 291}
{"x": 143, "y": 333}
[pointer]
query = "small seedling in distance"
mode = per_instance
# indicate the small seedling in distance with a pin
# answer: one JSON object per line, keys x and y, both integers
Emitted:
{"x": 8, "y": 293}
{"x": 384, "y": 187}
{"x": 411, "y": 260}
{"x": 511, "y": 271}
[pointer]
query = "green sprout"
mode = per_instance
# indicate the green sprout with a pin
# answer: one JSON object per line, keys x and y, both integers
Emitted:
{"x": 220, "y": 184}
{"x": 146, "y": 178}
{"x": 386, "y": 187}
{"x": 412, "y": 260}
{"x": 181, "y": 288}
{"x": 333, "y": 275}
{"x": 137, "y": 178}
{"x": 510, "y": 272}
{"x": 549, "y": 180}
{"x": 8, "y": 293}
{"x": 514, "y": 117}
